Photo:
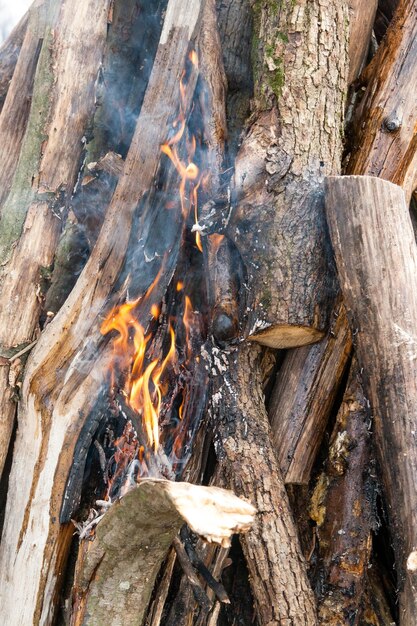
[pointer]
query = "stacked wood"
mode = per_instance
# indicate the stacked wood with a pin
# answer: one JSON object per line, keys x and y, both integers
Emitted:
{"x": 86, "y": 203}
{"x": 376, "y": 257}
{"x": 42, "y": 172}
{"x": 52, "y": 415}
{"x": 127, "y": 546}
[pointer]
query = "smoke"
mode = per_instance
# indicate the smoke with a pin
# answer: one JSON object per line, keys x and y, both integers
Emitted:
{"x": 10, "y": 13}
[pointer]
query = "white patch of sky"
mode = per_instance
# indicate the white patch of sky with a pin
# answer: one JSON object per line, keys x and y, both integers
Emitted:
{"x": 10, "y": 13}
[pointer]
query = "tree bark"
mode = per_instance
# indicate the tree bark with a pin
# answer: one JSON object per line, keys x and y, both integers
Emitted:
{"x": 116, "y": 571}
{"x": 277, "y": 567}
{"x": 343, "y": 511}
{"x": 376, "y": 256}
{"x": 290, "y": 282}
{"x": 385, "y": 140}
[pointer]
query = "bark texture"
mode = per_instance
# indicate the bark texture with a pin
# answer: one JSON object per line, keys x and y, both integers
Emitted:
{"x": 276, "y": 565}
{"x": 293, "y": 140}
{"x": 376, "y": 257}
{"x": 342, "y": 509}
{"x": 385, "y": 141}
{"x": 116, "y": 571}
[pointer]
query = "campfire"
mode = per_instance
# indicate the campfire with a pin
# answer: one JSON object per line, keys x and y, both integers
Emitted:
{"x": 208, "y": 314}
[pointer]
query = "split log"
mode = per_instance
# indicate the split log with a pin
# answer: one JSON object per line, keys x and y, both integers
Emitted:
{"x": 278, "y": 223}
{"x": 46, "y": 172}
{"x": 385, "y": 141}
{"x": 116, "y": 572}
{"x": 303, "y": 398}
{"x": 376, "y": 256}
{"x": 9, "y": 53}
{"x": 361, "y": 20}
{"x": 342, "y": 509}
{"x": 52, "y": 415}
{"x": 276, "y": 564}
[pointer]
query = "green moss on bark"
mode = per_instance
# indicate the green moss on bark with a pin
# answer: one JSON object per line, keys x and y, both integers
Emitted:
{"x": 23, "y": 188}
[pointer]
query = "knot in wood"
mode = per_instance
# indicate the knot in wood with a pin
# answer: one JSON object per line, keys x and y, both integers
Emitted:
{"x": 392, "y": 123}
{"x": 224, "y": 328}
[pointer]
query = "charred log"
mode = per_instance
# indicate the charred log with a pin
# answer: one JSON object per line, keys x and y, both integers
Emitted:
{"x": 376, "y": 256}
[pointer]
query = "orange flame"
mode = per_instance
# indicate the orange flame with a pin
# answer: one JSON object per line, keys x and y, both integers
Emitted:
{"x": 143, "y": 387}
{"x": 189, "y": 172}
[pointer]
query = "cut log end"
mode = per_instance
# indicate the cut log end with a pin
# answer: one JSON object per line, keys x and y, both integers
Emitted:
{"x": 133, "y": 538}
{"x": 287, "y": 336}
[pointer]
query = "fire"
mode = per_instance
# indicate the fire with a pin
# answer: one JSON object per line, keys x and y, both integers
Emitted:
{"x": 190, "y": 176}
{"x": 143, "y": 385}
{"x": 146, "y": 366}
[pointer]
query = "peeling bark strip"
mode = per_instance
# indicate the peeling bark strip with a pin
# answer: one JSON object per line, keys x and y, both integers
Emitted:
{"x": 276, "y": 564}
{"x": 386, "y": 141}
{"x": 376, "y": 257}
{"x": 30, "y": 220}
{"x": 294, "y": 140}
{"x": 116, "y": 571}
{"x": 303, "y": 398}
{"x": 53, "y": 410}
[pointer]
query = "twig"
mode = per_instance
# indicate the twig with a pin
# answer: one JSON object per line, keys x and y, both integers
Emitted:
{"x": 217, "y": 587}
{"x": 198, "y": 590}
{"x": 23, "y": 351}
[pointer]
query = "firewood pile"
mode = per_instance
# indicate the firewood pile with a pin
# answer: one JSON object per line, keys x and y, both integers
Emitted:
{"x": 208, "y": 313}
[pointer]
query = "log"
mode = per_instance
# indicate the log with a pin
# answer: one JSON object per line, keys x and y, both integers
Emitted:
{"x": 277, "y": 188}
{"x": 51, "y": 416}
{"x": 385, "y": 139}
{"x": 17, "y": 100}
{"x": 303, "y": 396}
{"x": 276, "y": 564}
{"x": 116, "y": 571}
{"x": 376, "y": 256}
{"x": 342, "y": 509}
{"x": 46, "y": 172}
{"x": 361, "y": 20}
{"x": 9, "y": 54}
